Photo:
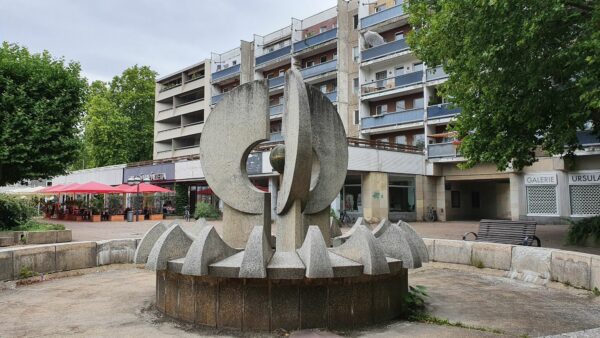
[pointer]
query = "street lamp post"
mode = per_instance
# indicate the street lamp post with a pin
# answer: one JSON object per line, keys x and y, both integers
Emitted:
{"x": 136, "y": 180}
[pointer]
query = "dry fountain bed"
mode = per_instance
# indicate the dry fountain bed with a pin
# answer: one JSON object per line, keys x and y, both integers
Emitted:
{"x": 117, "y": 300}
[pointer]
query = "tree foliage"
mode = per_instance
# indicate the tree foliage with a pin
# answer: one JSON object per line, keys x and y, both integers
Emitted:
{"x": 525, "y": 73}
{"x": 119, "y": 122}
{"x": 41, "y": 103}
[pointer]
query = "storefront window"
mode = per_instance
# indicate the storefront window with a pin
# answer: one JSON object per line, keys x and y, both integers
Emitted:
{"x": 351, "y": 193}
{"x": 402, "y": 193}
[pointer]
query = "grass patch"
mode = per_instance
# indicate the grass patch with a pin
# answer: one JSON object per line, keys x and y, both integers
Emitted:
{"x": 38, "y": 226}
{"x": 429, "y": 319}
{"x": 596, "y": 292}
{"x": 26, "y": 272}
{"x": 478, "y": 263}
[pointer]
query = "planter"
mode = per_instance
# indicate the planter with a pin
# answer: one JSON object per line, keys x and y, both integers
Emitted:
{"x": 77, "y": 218}
{"x": 116, "y": 218}
{"x": 155, "y": 217}
{"x": 96, "y": 218}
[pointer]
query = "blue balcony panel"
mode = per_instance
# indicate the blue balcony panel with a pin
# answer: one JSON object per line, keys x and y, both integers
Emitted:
{"x": 383, "y": 50}
{"x": 382, "y": 16}
{"x": 437, "y": 150}
{"x": 276, "y": 110}
{"x": 276, "y": 81}
{"x": 273, "y": 55}
{"x": 217, "y": 98}
{"x": 332, "y": 96}
{"x": 587, "y": 137}
{"x": 436, "y": 73}
{"x": 409, "y": 79}
{"x": 442, "y": 110}
{"x": 390, "y": 119}
{"x": 319, "y": 69}
{"x": 315, "y": 40}
{"x": 390, "y": 83}
{"x": 226, "y": 72}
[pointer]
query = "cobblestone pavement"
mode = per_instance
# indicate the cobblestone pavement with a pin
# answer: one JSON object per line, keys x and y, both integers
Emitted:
{"x": 117, "y": 301}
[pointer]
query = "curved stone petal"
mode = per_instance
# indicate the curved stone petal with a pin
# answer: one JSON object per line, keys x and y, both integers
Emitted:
{"x": 415, "y": 240}
{"x": 313, "y": 252}
{"x": 381, "y": 227}
{"x": 394, "y": 244}
{"x": 297, "y": 136}
{"x": 206, "y": 249}
{"x": 334, "y": 228}
{"x": 256, "y": 256}
{"x": 172, "y": 244}
{"x": 227, "y": 140}
{"x": 197, "y": 227}
{"x": 330, "y": 147}
{"x": 361, "y": 247}
{"x": 339, "y": 240}
{"x": 148, "y": 241}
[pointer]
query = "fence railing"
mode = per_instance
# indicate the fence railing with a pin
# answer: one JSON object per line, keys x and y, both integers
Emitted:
{"x": 390, "y": 119}
{"x": 276, "y": 81}
{"x": 442, "y": 110}
{"x": 382, "y": 16}
{"x": 321, "y": 68}
{"x": 435, "y": 73}
{"x": 383, "y": 50}
{"x": 442, "y": 150}
{"x": 315, "y": 40}
{"x": 225, "y": 72}
{"x": 356, "y": 142}
{"x": 399, "y": 81}
{"x": 281, "y": 52}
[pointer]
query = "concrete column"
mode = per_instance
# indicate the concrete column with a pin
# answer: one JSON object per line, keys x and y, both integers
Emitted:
{"x": 441, "y": 198}
{"x": 563, "y": 194}
{"x": 375, "y": 198}
{"x": 344, "y": 55}
{"x": 518, "y": 204}
{"x": 273, "y": 188}
{"x": 247, "y": 62}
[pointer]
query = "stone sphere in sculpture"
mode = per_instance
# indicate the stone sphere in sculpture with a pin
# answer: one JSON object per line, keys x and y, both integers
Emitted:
{"x": 277, "y": 158}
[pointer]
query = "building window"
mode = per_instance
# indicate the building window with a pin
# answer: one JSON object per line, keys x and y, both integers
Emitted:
{"x": 351, "y": 194}
{"x": 417, "y": 66}
{"x": 398, "y": 71}
{"x": 381, "y": 109}
{"x": 401, "y": 139}
{"x": 419, "y": 141}
{"x": 398, "y": 36}
{"x": 541, "y": 199}
{"x": 323, "y": 29}
{"x": 455, "y": 199}
{"x": 355, "y": 21}
{"x": 355, "y": 85}
{"x": 310, "y": 63}
{"x": 281, "y": 72}
{"x": 234, "y": 62}
{"x": 323, "y": 58}
{"x": 418, "y": 103}
{"x": 400, "y": 105}
{"x": 355, "y": 54}
{"x": 379, "y": 8}
{"x": 356, "y": 117}
{"x": 323, "y": 88}
{"x": 584, "y": 199}
{"x": 402, "y": 193}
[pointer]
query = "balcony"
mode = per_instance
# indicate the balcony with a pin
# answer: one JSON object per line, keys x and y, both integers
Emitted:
{"x": 276, "y": 81}
{"x": 276, "y": 54}
{"x": 167, "y": 134}
{"x": 332, "y": 96}
{"x": 442, "y": 110}
{"x": 399, "y": 81}
{"x": 225, "y": 73}
{"x": 276, "y": 110}
{"x": 322, "y": 68}
{"x": 186, "y": 151}
{"x": 436, "y": 73}
{"x": 383, "y": 50}
{"x": 382, "y": 16}
{"x": 315, "y": 40}
{"x": 216, "y": 98}
{"x": 438, "y": 150}
{"x": 391, "y": 119}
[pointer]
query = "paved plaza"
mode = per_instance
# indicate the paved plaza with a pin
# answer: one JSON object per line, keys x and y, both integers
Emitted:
{"x": 552, "y": 236}
{"x": 117, "y": 301}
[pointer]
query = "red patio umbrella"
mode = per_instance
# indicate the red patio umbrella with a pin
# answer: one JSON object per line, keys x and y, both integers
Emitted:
{"x": 61, "y": 188}
{"x": 91, "y": 188}
{"x": 48, "y": 189}
{"x": 144, "y": 187}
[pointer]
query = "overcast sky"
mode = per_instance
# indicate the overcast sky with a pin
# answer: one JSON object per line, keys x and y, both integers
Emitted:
{"x": 107, "y": 36}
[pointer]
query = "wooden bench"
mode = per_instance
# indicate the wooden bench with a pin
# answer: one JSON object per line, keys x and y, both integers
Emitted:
{"x": 506, "y": 232}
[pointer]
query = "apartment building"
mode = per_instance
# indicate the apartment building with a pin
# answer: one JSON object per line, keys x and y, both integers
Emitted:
{"x": 403, "y": 160}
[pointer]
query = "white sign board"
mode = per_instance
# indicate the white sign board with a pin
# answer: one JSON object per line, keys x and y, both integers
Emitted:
{"x": 584, "y": 178}
{"x": 540, "y": 179}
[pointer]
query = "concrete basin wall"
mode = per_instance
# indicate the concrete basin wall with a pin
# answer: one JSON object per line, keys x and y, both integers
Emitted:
{"x": 35, "y": 237}
{"x": 530, "y": 264}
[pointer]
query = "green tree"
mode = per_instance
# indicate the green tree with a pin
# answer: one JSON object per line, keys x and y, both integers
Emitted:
{"x": 119, "y": 122}
{"x": 41, "y": 103}
{"x": 525, "y": 73}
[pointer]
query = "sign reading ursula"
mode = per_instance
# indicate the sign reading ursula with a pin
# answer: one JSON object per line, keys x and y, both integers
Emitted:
{"x": 592, "y": 177}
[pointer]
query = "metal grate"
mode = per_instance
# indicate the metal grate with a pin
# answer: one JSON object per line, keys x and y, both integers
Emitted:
{"x": 585, "y": 199}
{"x": 541, "y": 200}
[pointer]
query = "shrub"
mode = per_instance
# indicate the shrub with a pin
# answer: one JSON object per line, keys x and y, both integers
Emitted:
{"x": 32, "y": 225}
{"x": 206, "y": 210}
{"x": 581, "y": 230}
{"x": 181, "y": 198}
{"x": 14, "y": 212}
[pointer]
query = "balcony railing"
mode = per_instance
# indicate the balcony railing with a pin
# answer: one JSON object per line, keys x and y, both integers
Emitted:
{"x": 189, "y": 102}
{"x": 382, "y": 16}
{"x": 165, "y": 110}
{"x": 319, "y": 69}
{"x": 383, "y": 50}
{"x": 315, "y": 40}
{"x": 216, "y": 98}
{"x": 276, "y": 81}
{"x": 436, "y": 73}
{"x": 399, "y": 81}
{"x": 442, "y": 150}
{"x": 169, "y": 86}
{"x": 276, "y": 137}
{"x": 276, "y": 110}
{"x": 281, "y": 52}
{"x": 391, "y": 119}
{"x": 442, "y": 110}
{"x": 225, "y": 72}
{"x": 332, "y": 96}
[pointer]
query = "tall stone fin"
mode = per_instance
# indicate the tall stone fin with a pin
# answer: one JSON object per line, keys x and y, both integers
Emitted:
{"x": 148, "y": 241}
{"x": 381, "y": 227}
{"x": 314, "y": 255}
{"x": 257, "y": 254}
{"x": 172, "y": 244}
{"x": 339, "y": 240}
{"x": 361, "y": 248}
{"x": 415, "y": 240}
{"x": 394, "y": 244}
{"x": 207, "y": 248}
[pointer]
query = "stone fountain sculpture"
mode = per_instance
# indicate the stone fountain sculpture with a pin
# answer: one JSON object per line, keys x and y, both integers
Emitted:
{"x": 239, "y": 280}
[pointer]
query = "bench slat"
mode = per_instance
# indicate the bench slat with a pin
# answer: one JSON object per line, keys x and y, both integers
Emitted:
{"x": 504, "y": 231}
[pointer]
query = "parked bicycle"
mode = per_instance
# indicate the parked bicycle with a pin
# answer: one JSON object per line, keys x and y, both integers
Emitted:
{"x": 430, "y": 215}
{"x": 346, "y": 219}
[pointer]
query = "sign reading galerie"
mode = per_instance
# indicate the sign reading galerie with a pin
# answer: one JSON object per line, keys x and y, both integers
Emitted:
{"x": 541, "y": 179}
{"x": 587, "y": 178}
